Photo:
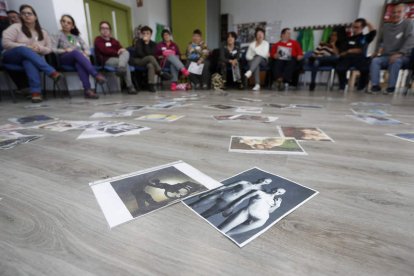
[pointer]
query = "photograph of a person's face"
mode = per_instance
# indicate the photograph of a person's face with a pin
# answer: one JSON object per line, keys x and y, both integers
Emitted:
{"x": 304, "y": 133}
{"x": 269, "y": 145}
{"x": 249, "y": 203}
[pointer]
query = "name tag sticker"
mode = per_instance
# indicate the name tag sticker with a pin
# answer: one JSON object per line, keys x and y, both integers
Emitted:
{"x": 163, "y": 48}
{"x": 289, "y": 44}
{"x": 398, "y": 36}
{"x": 351, "y": 42}
{"x": 234, "y": 52}
{"x": 108, "y": 44}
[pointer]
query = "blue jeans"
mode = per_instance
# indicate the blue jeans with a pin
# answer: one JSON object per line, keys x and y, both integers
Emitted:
{"x": 382, "y": 62}
{"x": 32, "y": 63}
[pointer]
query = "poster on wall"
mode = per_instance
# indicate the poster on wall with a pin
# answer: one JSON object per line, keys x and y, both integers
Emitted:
{"x": 140, "y": 3}
{"x": 3, "y": 8}
{"x": 245, "y": 31}
{"x": 389, "y": 8}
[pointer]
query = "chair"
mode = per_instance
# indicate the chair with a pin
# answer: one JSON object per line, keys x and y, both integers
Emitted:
{"x": 9, "y": 86}
{"x": 308, "y": 68}
{"x": 244, "y": 67}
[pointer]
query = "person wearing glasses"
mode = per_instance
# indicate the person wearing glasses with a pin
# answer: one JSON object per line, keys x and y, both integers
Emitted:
{"x": 73, "y": 51}
{"x": 25, "y": 44}
{"x": 13, "y": 16}
{"x": 354, "y": 54}
{"x": 109, "y": 51}
{"x": 396, "y": 44}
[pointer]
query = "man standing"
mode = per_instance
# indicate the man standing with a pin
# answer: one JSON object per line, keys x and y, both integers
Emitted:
{"x": 395, "y": 49}
{"x": 354, "y": 54}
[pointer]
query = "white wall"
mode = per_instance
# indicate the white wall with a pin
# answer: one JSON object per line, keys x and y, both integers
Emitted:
{"x": 151, "y": 13}
{"x": 372, "y": 11}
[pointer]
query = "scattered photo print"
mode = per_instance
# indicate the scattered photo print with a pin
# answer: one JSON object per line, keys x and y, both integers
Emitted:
{"x": 104, "y": 129}
{"x": 310, "y": 106}
{"x": 36, "y": 106}
{"x": 304, "y": 133}
{"x": 9, "y": 140}
{"x": 220, "y": 106}
{"x": 407, "y": 136}
{"x": 249, "y": 109}
{"x": 247, "y": 100}
{"x": 113, "y": 114}
{"x": 249, "y": 203}
{"x": 126, "y": 197}
{"x": 358, "y": 110}
{"x": 375, "y": 120}
{"x": 62, "y": 125}
{"x": 160, "y": 118}
{"x": 131, "y": 107}
{"x": 31, "y": 119}
{"x": 277, "y": 105}
{"x": 267, "y": 145}
{"x": 243, "y": 117}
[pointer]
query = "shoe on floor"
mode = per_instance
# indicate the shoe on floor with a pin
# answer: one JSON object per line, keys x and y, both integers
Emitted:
{"x": 131, "y": 90}
{"x": 389, "y": 90}
{"x": 36, "y": 98}
{"x": 248, "y": 74}
{"x": 375, "y": 89}
{"x": 90, "y": 94}
{"x": 205, "y": 87}
{"x": 256, "y": 87}
{"x": 173, "y": 86}
{"x": 151, "y": 88}
{"x": 312, "y": 86}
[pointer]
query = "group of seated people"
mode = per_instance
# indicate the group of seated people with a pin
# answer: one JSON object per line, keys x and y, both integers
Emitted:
{"x": 26, "y": 43}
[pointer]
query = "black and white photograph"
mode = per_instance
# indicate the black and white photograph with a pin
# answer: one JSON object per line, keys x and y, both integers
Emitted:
{"x": 247, "y": 100}
{"x": 63, "y": 125}
{"x": 220, "y": 106}
{"x": 375, "y": 120}
{"x": 33, "y": 119}
{"x": 129, "y": 196}
{"x": 406, "y": 136}
{"x": 249, "y": 109}
{"x": 131, "y": 107}
{"x": 245, "y": 117}
{"x": 160, "y": 118}
{"x": 304, "y": 133}
{"x": 111, "y": 129}
{"x": 245, "y": 31}
{"x": 265, "y": 145}
{"x": 249, "y": 203}
{"x": 10, "y": 140}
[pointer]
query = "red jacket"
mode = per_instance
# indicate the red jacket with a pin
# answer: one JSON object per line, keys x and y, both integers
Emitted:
{"x": 105, "y": 49}
{"x": 286, "y": 50}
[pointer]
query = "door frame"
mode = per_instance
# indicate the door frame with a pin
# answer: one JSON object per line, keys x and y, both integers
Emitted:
{"x": 123, "y": 7}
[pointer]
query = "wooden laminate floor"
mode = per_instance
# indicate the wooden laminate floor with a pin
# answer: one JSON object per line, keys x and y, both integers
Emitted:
{"x": 361, "y": 223}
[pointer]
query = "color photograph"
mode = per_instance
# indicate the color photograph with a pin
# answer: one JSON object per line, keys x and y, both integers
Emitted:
{"x": 304, "y": 133}
{"x": 265, "y": 145}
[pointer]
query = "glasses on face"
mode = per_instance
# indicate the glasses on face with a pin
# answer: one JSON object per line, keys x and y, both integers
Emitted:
{"x": 105, "y": 28}
{"x": 26, "y": 13}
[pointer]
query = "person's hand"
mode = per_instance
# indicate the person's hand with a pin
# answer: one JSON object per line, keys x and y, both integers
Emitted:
{"x": 299, "y": 57}
{"x": 120, "y": 51}
{"x": 85, "y": 54}
{"x": 394, "y": 57}
{"x": 68, "y": 50}
{"x": 35, "y": 48}
{"x": 276, "y": 56}
{"x": 200, "y": 61}
{"x": 233, "y": 62}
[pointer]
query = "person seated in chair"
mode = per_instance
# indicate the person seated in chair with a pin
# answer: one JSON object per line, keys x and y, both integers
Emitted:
{"x": 198, "y": 52}
{"x": 354, "y": 54}
{"x": 169, "y": 55}
{"x": 145, "y": 56}
{"x": 397, "y": 42}
{"x": 326, "y": 54}
{"x": 286, "y": 54}
{"x": 73, "y": 51}
{"x": 257, "y": 55}
{"x": 229, "y": 59}
{"x": 13, "y": 16}
{"x": 25, "y": 45}
{"x": 110, "y": 52}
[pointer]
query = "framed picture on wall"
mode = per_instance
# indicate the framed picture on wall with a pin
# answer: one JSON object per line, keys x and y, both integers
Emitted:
{"x": 3, "y": 8}
{"x": 140, "y": 3}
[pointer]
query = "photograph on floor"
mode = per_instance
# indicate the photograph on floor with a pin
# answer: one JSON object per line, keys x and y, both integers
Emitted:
{"x": 113, "y": 114}
{"x": 131, "y": 107}
{"x": 62, "y": 125}
{"x": 243, "y": 117}
{"x": 375, "y": 120}
{"x": 266, "y": 145}
{"x": 247, "y": 100}
{"x": 9, "y": 140}
{"x": 37, "y": 106}
{"x": 10, "y": 127}
{"x": 249, "y": 203}
{"x": 304, "y": 133}
{"x": 168, "y": 105}
{"x": 160, "y": 117}
{"x": 407, "y": 136}
{"x": 220, "y": 106}
{"x": 33, "y": 119}
{"x": 276, "y": 105}
{"x": 366, "y": 110}
{"x": 249, "y": 109}
{"x": 310, "y": 106}
{"x": 127, "y": 197}
{"x": 112, "y": 130}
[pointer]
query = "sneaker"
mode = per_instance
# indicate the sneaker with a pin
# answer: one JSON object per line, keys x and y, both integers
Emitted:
{"x": 389, "y": 90}
{"x": 375, "y": 89}
{"x": 256, "y": 87}
{"x": 151, "y": 88}
{"x": 173, "y": 86}
{"x": 165, "y": 75}
{"x": 100, "y": 79}
{"x": 36, "y": 98}
{"x": 185, "y": 72}
{"x": 90, "y": 94}
{"x": 248, "y": 74}
{"x": 55, "y": 76}
{"x": 279, "y": 85}
{"x": 131, "y": 90}
{"x": 205, "y": 87}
